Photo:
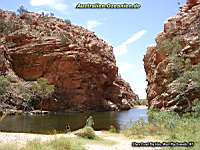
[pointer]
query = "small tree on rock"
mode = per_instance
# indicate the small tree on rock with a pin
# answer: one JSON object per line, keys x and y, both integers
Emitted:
{"x": 67, "y": 21}
{"x": 22, "y": 10}
{"x": 51, "y": 14}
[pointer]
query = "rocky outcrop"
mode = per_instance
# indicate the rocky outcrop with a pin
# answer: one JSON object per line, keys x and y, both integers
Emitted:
{"x": 13, "y": 100}
{"x": 173, "y": 65}
{"x": 80, "y": 65}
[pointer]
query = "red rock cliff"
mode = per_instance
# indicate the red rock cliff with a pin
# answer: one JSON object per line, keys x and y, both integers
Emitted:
{"x": 76, "y": 61}
{"x": 173, "y": 65}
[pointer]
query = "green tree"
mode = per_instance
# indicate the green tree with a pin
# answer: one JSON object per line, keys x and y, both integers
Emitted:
{"x": 26, "y": 93}
{"x": 42, "y": 89}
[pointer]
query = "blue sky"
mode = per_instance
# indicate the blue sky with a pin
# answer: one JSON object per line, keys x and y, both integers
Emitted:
{"x": 130, "y": 32}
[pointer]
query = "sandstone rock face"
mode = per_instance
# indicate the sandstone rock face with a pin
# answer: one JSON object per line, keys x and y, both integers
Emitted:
{"x": 14, "y": 99}
{"x": 80, "y": 65}
{"x": 172, "y": 66}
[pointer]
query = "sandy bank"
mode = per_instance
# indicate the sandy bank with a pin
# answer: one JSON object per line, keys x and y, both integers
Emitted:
{"x": 141, "y": 107}
{"x": 122, "y": 142}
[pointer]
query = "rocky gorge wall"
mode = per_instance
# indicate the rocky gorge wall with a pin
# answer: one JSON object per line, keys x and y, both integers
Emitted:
{"x": 80, "y": 65}
{"x": 173, "y": 65}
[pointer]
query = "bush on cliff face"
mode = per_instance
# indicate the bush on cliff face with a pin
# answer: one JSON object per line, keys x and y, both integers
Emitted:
{"x": 6, "y": 27}
{"x": 4, "y": 85}
{"x": 64, "y": 38}
{"x": 170, "y": 46}
{"x": 178, "y": 63}
{"x": 67, "y": 21}
{"x": 190, "y": 75}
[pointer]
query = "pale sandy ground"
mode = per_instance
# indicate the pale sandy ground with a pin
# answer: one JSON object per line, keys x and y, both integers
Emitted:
{"x": 140, "y": 106}
{"x": 122, "y": 142}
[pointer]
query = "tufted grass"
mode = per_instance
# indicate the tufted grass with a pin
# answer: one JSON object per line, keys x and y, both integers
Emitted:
{"x": 56, "y": 144}
{"x": 169, "y": 127}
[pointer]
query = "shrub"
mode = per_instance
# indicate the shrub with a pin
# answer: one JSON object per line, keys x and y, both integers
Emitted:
{"x": 3, "y": 26}
{"x": 170, "y": 46}
{"x": 27, "y": 95}
{"x": 4, "y": 85}
{"x": 135, "y": 129}
{"x": 86, "y": 132}
{"x": 51, "y": 14}
{"x": 112, "y": 129}
{"x": 67, "y": 21}
{"x": 57, "y": 144}
{"x": 154, "y": 116}
{"x": 6, "y": 27}
{"x": 42, "y": 88}
{"x": 188, "y": 64}
{"x": 22, "y": 10}
{"x": 25, "y": 92}
{"x": 192, "y": 74}
{"x": 178, "y": 64}
{"x": 169, "y": 126}
{"x": 64, "y": 38}
{"x": 196, "y": 108}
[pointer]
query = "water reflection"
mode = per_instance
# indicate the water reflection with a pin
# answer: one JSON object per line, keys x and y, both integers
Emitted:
{"x": 48, "y": 123}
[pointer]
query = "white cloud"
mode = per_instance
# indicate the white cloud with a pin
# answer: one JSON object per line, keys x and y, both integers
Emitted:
{"x": 123, "y": 47}
{"x": 135, "y": 75}
{"x": 92, "y": 24}
{"x": 136, "y": 81}
{"x": 58, "y": 5}
{"x": 125, "y": 67}
{"x": 141, "y": 91}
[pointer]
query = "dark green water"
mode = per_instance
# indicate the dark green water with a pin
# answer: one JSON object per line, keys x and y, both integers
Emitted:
{"x": 47, "y": 123}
